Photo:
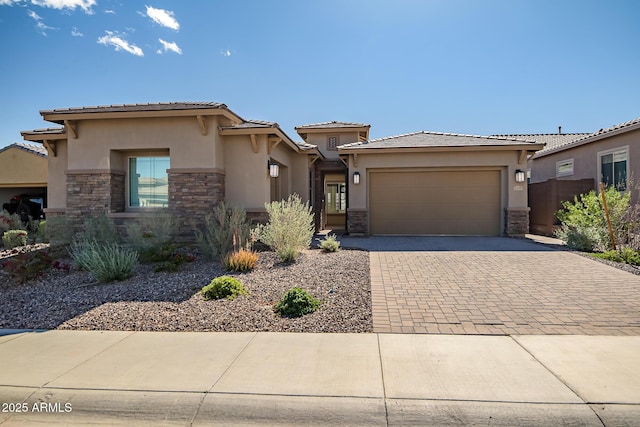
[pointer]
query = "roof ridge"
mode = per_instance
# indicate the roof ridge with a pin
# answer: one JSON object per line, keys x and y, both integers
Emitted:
{"x": 32, "y": 148}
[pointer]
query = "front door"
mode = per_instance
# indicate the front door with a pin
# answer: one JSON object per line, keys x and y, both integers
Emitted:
{"x": 335, "y": 205}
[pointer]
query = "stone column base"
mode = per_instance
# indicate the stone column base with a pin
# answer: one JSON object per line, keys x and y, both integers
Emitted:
{"x": 516, "y": 221}
{"x": 358, "y": 221}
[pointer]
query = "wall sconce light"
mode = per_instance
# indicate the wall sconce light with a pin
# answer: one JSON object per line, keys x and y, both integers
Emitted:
{"x": 274, "y": 169}
{"x": 520, "y": 175}
{"x": 356, "y": 178}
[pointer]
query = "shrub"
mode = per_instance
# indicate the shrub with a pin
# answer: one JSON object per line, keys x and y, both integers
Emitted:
{"x": 330, "y": 243}
{"x": 223, "y": 287}
{"x": 14, "y": 238}
{"x": 101, "y": 229}
{"x": 106, "y": 262}
{"x": 289, "y": 229}
{"x": 25, "y": 267}
{"x": 151, "y": 231}
{"x": 222, "y": 226}
{"x": 58, "y": 231}
{"x": 240, "y": 260}
{"x": 10, "y": 221}
{"x": 174, "y": 263}
{"x": 584, "y": 224}
{"x": 295, "y": 303}
{"x": 626, "y": 255}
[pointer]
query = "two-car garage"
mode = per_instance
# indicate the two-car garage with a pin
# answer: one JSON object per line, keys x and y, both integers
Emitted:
{"x": 450, "y": 202}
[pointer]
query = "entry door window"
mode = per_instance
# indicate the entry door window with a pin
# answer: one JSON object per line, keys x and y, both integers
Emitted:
{"x": 336, "y": 198}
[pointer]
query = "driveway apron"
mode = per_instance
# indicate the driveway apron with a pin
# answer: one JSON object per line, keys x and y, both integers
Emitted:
{"x": 493, "y": 285}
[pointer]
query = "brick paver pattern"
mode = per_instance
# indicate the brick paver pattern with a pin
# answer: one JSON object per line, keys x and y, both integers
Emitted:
{"x": 493, "y": 292}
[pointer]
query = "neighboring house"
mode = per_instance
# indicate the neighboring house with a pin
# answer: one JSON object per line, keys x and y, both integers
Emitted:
{"x": 128, "y": 160}
{"x": 571, "y": 164}
{"x": 23, "y": 170}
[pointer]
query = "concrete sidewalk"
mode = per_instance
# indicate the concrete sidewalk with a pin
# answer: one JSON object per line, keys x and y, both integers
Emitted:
{"x": 163, "y": 378}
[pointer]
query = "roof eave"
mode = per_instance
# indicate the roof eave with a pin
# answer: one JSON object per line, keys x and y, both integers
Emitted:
{"x": 440, "y": 148}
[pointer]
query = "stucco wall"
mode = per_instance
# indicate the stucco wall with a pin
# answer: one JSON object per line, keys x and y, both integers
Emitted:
{"x": 585, "y": 159}
{"x": 246, "y": 173}
{"x": 21, "y": 168}
{"x": 57, "y": 185}
{"x": 321, "y": 139}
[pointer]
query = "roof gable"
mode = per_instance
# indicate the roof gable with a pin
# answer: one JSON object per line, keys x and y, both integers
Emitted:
{"x": 38, "y": 149}
{"x": 333, "y": 125}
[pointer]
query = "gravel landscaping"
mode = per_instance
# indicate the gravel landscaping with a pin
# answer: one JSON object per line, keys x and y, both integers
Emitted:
{"x": 161, "y": 301}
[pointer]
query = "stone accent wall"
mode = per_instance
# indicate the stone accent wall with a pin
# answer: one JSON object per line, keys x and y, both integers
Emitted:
{"x": 258, "y": 217}
{"x": 358, "y": 221}
{"x": 516, "y": 222}
{"x": 93, "y": 193}
{"x": 193, "y": 194}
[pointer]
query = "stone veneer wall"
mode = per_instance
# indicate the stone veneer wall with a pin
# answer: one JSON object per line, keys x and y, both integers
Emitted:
{"x": 517, "y": 222}
{"x": 92, "y": 193}
{"x": 193, "y": 193}
{"x": 358, "y": 221}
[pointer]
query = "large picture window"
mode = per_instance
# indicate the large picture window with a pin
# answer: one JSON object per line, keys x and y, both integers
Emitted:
{"x": 148, "y": 182}
{"x": 613, "y": 168}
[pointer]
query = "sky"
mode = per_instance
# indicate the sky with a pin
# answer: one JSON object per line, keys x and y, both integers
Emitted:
{"x": 478, "y": 67}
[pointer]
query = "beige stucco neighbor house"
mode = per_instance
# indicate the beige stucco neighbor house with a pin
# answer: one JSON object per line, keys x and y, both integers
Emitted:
{"x": 23, "y": 170}
{"x": 129, "y": 160}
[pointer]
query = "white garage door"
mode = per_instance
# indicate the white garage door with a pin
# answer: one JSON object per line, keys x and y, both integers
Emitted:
{"x": 435, "y": 202}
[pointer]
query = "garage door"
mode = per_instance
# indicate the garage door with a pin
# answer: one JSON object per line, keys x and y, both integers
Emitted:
{"x": 435, "y": 202}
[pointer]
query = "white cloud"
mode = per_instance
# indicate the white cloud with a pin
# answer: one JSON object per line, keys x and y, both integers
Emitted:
{"x": 225, "y": 52}
{"x": 169, "y": 46}
{"x": 76, "y": 33}
{"x": 115, "y": 40}
{"x": 85, "y": 5}
{"x": 40, "y": 25}
{"x": 9, "y": 2}
{"x": 112, "y": 12}
{"x": 163, "y": 17}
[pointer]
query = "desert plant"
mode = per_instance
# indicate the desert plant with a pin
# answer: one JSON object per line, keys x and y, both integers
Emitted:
{"x": 296, "y": 302}
{"x": 99, "y": 228}
{"x": 289, "y": 228}
{"x": 14, "y": 238}
{"x": 58, "y": 231}
{"x": 625, "y": 255}
{"x": 221, "y": 227}
{"x": 330, "y": 243}
{"x": 240, "y": 260}
{"x": 105, "y": 261}
{"x": 152, "y": 230}
{"x": 10, "y": 221}
{"x": 223, "y": 287}
{"x": 28, "y": 266}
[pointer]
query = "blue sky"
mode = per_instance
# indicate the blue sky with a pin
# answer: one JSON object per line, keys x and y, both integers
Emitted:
{"x": 466, "y": 66}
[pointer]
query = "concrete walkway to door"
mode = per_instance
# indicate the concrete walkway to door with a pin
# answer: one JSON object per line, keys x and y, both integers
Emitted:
{"x": 495, "y": 285}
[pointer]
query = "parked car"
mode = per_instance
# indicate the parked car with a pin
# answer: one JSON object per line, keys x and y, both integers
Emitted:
{"x": 26, "y": 205}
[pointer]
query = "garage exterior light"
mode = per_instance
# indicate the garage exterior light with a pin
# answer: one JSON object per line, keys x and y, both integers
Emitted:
{"x": 274, "y": 169}
{"x": 356, "y": 178}
{"x": 520, "y": 175}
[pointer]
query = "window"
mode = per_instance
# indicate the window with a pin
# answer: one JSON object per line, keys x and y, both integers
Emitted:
{"x": 148, "y": 182}
{"x": 564, "y": 168}
{"x": 336, "y": 198}
{"x": 332, "y": 143}
{"x": 613, "y": 166}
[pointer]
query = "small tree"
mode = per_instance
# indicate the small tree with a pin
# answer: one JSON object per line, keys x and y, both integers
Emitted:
{"x": 290, "y": 227}
{"x": 221, "y": 226}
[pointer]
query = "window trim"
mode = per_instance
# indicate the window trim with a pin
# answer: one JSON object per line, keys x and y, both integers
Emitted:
{"x": 599, "y": 156}
{"x": 565, "y": 162}
{"x": 127, "y": 194}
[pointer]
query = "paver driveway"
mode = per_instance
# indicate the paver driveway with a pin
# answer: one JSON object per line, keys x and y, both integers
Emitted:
{"x": 476, "y": 285}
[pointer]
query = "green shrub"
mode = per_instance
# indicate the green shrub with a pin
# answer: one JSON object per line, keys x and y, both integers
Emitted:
{"x": 626, "y": 255}
{"x": 14, "y": 238}
{"x": 289, "y": 229}
{"x": 223, "y": 226}
{"x": 105, "y": 261}
{"x": 240, "y": 260}
{"x": 295, "y": 303}
{"x": 330, "y": 243}
{"x": 101, "y": 229}
{"x": 151, "y": 230}
{"x": 10, "y": 221}
{"x": 58, "y": 231}
{"x": 584, "y": 223}
{"x": 25, "y": 267}
{"x": 223, "y": 287}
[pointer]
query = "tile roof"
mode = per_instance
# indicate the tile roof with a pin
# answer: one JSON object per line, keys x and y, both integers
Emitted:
{"x": 30, "y": 148}
{"x": 333, "y": 125}
{"x": 252, "y": 124}
{"x": 435, "y": 139}
{"x": 590, "y": 137}
{"x": 161, "y": 106}
{"x": 550, "y": 140}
